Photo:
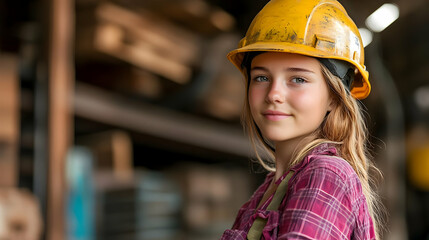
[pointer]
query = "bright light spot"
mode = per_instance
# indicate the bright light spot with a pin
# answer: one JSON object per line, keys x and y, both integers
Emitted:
{"x": 366, "y": 36}
{"x": 382, "y": 17}
{"x": 421, "y": 96}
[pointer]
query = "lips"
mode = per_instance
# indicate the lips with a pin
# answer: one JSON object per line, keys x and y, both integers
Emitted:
{"x": 275, "y": 115}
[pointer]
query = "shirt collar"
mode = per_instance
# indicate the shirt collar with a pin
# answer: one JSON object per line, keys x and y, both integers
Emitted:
{"x": 321, "y": 149}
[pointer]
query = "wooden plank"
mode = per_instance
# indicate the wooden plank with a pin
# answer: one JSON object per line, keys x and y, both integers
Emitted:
{"x": 166, "y": 37}
{"x": 9, "y": 120}
{"x": 61, "y": 78}
{"x": 197, "y": 15}
{"x": 147, "y": 41}
{"x": 109, "y": 39}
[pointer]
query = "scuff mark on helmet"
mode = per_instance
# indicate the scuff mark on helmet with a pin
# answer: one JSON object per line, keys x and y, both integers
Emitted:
{"x": 254, "y": 36}
{"x": 293, "y": 36}
{"x": 273, "y": 33}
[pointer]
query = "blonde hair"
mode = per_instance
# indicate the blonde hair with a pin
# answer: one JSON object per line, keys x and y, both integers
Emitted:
{"x": 345, "y": 128}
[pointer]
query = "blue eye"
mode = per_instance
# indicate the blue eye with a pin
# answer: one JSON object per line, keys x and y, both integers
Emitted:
{"x": 261, "y": 79}
{"x": 299, "y": 80}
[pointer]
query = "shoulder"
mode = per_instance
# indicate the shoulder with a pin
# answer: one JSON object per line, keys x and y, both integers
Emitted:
{"x": 334, "y": 164}
{"x": 322, "y": 200}
{"x": 331, "y": 174}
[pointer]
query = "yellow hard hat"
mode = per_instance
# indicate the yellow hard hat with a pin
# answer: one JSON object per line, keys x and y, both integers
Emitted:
{"x": 317, "y": 28}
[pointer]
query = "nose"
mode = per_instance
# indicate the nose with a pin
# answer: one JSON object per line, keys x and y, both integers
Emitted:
{"x": 276, "y": 92}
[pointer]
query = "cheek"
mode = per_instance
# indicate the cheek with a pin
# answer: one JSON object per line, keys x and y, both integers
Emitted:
{"x": 256, "y": 96}
{"x": 313, "y": 103}
{"x": 256, "y": 99}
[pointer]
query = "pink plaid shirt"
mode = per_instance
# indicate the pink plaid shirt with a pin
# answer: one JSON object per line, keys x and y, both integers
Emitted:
{"x": 324, "y": 201}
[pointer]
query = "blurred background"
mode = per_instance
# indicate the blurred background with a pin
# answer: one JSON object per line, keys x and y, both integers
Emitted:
{"x": 119, "y": 119}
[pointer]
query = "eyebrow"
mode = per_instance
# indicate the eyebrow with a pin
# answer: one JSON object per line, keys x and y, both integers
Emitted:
{"x": 290, "y": 69}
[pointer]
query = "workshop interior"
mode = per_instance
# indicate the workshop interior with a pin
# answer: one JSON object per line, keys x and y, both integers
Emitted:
{"x": 120, "y": 119}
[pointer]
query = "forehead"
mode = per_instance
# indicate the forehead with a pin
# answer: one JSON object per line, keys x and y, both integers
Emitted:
{"x": 281, "y": 59}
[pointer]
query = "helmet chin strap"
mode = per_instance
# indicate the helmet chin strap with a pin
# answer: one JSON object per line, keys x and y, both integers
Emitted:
{"x": 342, "y": 69}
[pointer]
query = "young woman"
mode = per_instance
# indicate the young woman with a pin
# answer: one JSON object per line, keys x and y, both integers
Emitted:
{"x": 304, "y": 65}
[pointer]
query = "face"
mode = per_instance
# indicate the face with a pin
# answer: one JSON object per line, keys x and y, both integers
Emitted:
{"x": 288, "y": 95}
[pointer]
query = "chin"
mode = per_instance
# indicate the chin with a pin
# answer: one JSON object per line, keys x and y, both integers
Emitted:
{"x": 276, "y": 138}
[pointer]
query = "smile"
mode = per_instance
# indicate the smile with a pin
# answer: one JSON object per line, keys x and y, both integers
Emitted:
{"x": 275, "y": 115}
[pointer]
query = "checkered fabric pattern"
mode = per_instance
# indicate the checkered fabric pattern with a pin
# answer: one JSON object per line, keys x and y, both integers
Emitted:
{"x": 324, "y": 201}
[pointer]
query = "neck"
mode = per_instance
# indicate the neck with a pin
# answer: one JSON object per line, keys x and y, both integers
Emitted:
{"x": 286, "y": 150}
